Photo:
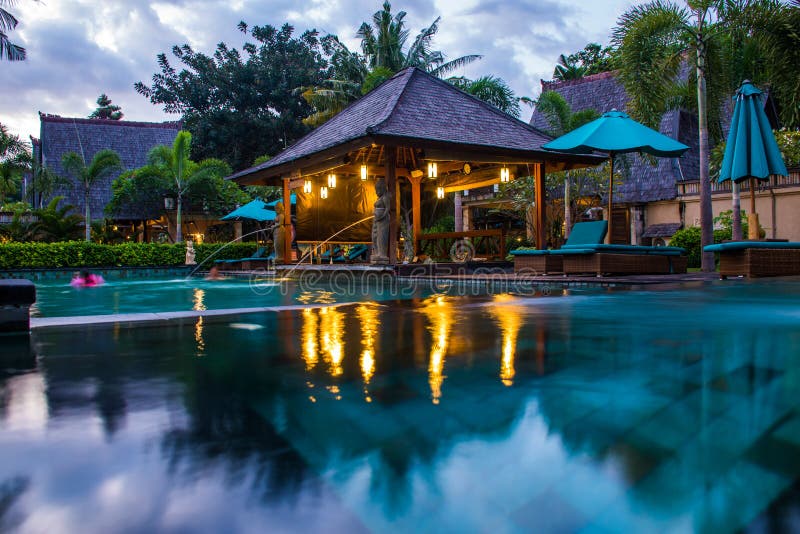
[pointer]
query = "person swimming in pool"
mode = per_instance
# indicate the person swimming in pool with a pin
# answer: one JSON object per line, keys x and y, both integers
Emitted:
{"x": 87, "y": 279}
{"x": 214, "y": 274}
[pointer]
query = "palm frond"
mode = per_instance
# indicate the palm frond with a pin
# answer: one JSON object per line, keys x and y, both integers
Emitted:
{"x": 457, "y": 63}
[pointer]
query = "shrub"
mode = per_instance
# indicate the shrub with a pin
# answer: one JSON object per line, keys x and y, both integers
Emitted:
{"x": 76, "y": 254}
{"x": 689, "y": 238}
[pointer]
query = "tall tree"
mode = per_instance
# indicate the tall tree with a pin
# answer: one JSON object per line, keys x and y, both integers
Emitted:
{"x": 8, "y": 22}
{"x": 492, "y": 90}
{"x": 106, "y": 110}
{"x": 240, "y": 105}
{"x": 562, "y": 119}
{"x": 104, "y": 163}
{"x": 174, "y": 164}
{"x": 654, "y": 41}
{"x": 593, "y": 59}
{"x": 15, "y": 160}
{"x": 778, "y": 30}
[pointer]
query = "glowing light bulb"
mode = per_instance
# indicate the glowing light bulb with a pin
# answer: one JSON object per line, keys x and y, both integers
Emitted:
{"x": 505, "y": 175}
{"x": 433, "y": 170}
{"x": 440, "y": 192}
{"x": 363, "y": 172}
{"x": 323, "y": 192}
{"x": 332, "y": 181}
{"x": 307, "y": 186}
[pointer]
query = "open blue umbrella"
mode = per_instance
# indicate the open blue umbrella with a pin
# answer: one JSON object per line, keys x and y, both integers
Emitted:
{"x": 256, "y": 210}
{"x": 616, "y": 133}
{"x": 751, "y": 151}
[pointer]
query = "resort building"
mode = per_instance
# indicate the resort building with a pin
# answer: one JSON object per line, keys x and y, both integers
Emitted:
{"x": 131, "y": 140}
{"x": 656, "y": 199}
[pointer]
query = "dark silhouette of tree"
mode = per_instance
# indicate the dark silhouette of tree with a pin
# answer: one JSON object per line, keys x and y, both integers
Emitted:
{"x": 106, "y": 110}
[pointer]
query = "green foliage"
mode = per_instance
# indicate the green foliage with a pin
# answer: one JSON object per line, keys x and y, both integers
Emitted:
{"x": 8, "y": 50}
{"x": 56, "y": 224}
{"x": 106, "y": 110}
{"x": 79, "y": 254}
{"x": 592, "y": 59}
{"x": 445, "y": 223}
{"x": 240, "y": 105}
{"x": 789, "y": 143}
{"x": 778, "y": 32}
{"x": 15, "y": 160}
{"x": 104, "y": 163}
{"x": 689, "y": 238}
{"x": 492, "y": 90}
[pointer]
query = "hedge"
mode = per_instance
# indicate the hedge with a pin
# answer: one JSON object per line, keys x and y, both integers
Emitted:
{"x": 82, "y": 254}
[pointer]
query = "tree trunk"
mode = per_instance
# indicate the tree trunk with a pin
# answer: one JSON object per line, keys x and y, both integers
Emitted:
{"x": 88, "y": 217}
{"x": 736, "y": 226}
{"x": 567, "y": 206}
{"x": 706, "y": 216}
{"x": 178, "y": 228}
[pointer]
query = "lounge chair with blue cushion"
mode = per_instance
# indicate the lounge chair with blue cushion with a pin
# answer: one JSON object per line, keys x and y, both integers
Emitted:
{"x": 248, "y": 263}
{"x": 602, "y": 259}
{"x": 551, "y": 261}
{"x": 356, "y": 252}
{"x": 757, "y": 258}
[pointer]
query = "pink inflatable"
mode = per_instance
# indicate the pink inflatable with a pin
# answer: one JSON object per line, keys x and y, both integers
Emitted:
{"x": 85, "y": 279}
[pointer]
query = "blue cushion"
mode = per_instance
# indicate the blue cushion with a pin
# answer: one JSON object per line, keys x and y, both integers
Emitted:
{"x": 628, "y": 249}
{"x": 587, "y": 233}
{"x": 526, "y": 252}
{"x": 742, "y": 245}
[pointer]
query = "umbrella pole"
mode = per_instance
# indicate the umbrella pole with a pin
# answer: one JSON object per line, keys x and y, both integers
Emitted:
{"x": 752, "y": 219}
{"x": 610, "y": 196}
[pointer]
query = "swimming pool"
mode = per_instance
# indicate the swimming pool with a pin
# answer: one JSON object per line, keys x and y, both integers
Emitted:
{"x": 657, "y": 410}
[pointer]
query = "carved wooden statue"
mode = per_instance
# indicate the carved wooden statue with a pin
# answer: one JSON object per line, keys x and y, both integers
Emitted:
{"x": 190, "y": 253}
{"x": 380, "y": 224}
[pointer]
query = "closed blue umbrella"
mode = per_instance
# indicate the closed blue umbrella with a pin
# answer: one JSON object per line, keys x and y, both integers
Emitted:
{"x": 616, "y": 133}
{"x": 751, "y": 152}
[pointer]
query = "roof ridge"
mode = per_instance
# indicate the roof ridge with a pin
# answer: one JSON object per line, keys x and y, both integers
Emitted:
{"x": 393, "y": 105}
{"x": 493, "y": 109}
{"x": 48, "y": 117}
{"x": 552, "y": 85}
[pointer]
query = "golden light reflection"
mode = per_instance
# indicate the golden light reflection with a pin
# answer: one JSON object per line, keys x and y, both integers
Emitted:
{"x": 198, "y": 337}
{"x": 509, "y": 317}
{"x": 331, "y": 328}
{"x": 439, "y": 311}
{"x": 309, "y": 336}
{"x": 368, "y": 317}
{"x": 198, "y": 298}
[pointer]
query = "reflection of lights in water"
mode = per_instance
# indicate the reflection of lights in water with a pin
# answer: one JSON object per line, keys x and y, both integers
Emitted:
{"x": 331, "y": 329}
{"x": 317, "y": 297}
{"x": 198, "y": 297}
{"x": 368, "y": 317}
{"x": 198, "y": 337}
{"x": 439, "y": 312}
{"x": 309, "y": 335}
{"x": 509, "y": 317}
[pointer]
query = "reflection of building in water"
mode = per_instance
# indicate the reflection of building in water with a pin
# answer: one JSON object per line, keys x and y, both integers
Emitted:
{"x": 331, "y": 328}
{"x": 368, "y": 317}
{"x": 439, "y": 312}
{"x": 509, "y": 317}
{"x": 309, "y": 333}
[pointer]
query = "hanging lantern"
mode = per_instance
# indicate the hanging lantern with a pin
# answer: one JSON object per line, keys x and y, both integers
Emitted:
{"x": 433, "y": 170}
{"x": 440, "y": 192}
{"x": 307, "y": 187}
{"x": 323, "y": 192}
{"x": 332, "y": 181}
{"x": 363, "y": 172}
{"x": 505, "y": 175}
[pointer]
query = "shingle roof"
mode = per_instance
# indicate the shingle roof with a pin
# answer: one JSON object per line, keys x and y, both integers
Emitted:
{"x": 131, "y": 140}
{"x": 644, "y": 182}
{"x": 413, "y": 105}
{"x": 661, "y": 230}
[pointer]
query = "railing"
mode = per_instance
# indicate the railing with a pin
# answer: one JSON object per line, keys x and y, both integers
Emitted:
{"x": 693, "y": 188}
{"x": 6, "y": 217}
{"x": 465, "y": 245}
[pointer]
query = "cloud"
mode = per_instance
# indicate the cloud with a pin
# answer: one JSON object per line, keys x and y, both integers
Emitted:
{"x": 78, "y": 49}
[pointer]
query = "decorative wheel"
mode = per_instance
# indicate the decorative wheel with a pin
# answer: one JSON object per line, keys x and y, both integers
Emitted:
{"x": 462, "y": 251}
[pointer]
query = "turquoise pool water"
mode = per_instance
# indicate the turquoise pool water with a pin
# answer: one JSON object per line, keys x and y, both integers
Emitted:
{"x": 672, "y": 410}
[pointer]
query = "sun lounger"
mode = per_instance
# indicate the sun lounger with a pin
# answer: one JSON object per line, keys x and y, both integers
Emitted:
{"x": 624, "y": 259}
{"x": 356, "y": 252}
{"x": 551, "y": 261}
{"x": 757, "y": 258}
{"x": 245, "y": 264}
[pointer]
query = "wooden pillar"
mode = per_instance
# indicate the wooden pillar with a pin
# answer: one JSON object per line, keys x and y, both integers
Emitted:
{"x": 287, "y": 222}
{"x": 458, "y": 214}
{"x": 416, "y": 214}
{"x": 391, "y": 188}
{"x": 541, "y": 233}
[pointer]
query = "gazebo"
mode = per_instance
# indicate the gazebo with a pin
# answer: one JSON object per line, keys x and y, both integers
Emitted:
{"x": 412, "y": 127}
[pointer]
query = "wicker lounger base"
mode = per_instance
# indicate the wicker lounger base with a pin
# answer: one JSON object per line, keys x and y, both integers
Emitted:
{"x": 538, "y": 264}
{"x": 601, "y": 263}
{"x": 758, "y": 262}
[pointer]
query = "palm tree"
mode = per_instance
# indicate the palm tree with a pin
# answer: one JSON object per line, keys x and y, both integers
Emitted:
{"x": 655, "y": 40}
{"x": 103, "y": 164}
{"x": 15, "y": 159}
{"x": 779, "y": 33}
{"x": 568, "y": 69}
{"x": 174, "y": 164}
{"x": 492, "y": 90}
{"x": 562, "y": 119}
{"x": 56, "y": 224}
{"x": 8, "y": 22}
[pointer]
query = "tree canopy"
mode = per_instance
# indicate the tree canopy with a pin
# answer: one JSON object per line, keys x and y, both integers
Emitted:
{"x": 106, "y": 110}
{"x": 8, "y": 50}
{"x": 237, "y": 104}
{"x": 593, "y": 59}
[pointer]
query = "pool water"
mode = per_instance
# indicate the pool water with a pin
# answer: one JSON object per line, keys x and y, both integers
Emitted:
{"x": 642, "y": 411}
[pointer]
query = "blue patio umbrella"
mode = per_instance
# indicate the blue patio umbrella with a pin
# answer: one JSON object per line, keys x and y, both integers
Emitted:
{"x": 751, "y": 151}
{"x": 256, "y": 210}
{"x": 616, "y": 133}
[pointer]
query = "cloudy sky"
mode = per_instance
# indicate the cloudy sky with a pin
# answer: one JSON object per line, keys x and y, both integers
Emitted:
{"x": 78, "y": 49}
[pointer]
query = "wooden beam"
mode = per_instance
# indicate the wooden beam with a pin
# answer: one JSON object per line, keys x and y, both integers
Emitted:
{"x": 391, "y": 188}
{"x": 541, "y": 234}
{"x": 416, "y": 214}
{"x": 287, "y": 223}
